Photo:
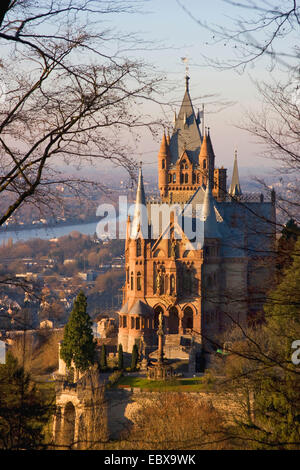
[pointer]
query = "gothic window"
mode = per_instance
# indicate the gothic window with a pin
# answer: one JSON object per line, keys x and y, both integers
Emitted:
{"x": 194, "y": 178}
{"x": 188, "y": 318}
{"x": 204, "y": 164}
{"x": 138, "y": 247}
{"x": 181, "y": 178}
{"x": 172, "y": 284}
{"x": 174, "y": 177}
{"x": 166, "y": 283}
{"x": 139, "y": 281}
{"x": 186, "y": 178}
{"x": 131, "y": 281}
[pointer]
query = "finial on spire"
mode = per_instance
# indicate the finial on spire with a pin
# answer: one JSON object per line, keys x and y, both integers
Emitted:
{"x": 185, "y": 60}
{"x": 235, "y": 188}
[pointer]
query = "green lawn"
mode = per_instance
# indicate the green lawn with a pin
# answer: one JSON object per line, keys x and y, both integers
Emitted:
{"x": 177, "y": 385}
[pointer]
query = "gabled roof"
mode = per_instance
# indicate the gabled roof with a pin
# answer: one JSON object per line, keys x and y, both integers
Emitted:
{"x": 186, "y": 135}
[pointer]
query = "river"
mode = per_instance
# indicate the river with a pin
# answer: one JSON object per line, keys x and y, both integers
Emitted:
{"x": 46, "y": 232}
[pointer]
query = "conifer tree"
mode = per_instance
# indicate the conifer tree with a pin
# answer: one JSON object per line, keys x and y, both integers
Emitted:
{"x": 120, "y": 358}
{"x": 103, "y": 359}
{"x": 78, "y": 345}
{"x": 134, "y": 357}
{"x": 24, "y": 410}
{"x": 260, "y": 366}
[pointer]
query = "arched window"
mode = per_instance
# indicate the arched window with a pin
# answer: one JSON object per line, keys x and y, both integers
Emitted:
{"x": 131, "y": 281}
{"x": 188, "y": 318}
{"x": 139, "y": 281}
{"x": 138, "y": 247}
{"x": 124, "y": 321}
{"x": 174, "y": 177}
{"x": 194, "y": 178}
{"x": 173, "y": 321}
{"x": 181, "y": 178}
{"x": 170, "y": 178}
{"x": 137, "y": 323}
{"x": 204, "y": 164}
{"x": 132, "y": 323}
{"x": 172, "y": 284}
{"x": 186, "y": 178}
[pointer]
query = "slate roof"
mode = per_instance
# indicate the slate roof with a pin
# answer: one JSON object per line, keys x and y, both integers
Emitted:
{"x": 140, "y": 308}
{"x": 187, "y": 134}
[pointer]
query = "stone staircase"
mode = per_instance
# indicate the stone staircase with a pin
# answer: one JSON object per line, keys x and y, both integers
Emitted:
{"x": 175, "y": 347}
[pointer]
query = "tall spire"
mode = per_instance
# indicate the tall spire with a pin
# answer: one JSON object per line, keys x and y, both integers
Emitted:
{"x": 186, "y": 129}
{"x": 140, "y": 191}
{"x": 139, "y": 221}
{"x": 235, "y": 188}
{"x": 211, "y": 229}
{"x": 207, "y": 154}
{"x": 163, "y": 151}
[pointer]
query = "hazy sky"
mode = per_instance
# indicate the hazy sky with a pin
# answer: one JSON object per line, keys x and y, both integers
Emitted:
{"x": 166, "y": 22}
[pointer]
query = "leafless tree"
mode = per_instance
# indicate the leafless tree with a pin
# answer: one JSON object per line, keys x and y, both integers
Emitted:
{"x": 257, "y": 29}
{"x": 70, "y": 92}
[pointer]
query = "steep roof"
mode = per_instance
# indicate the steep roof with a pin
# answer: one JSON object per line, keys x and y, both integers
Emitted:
{"x": 140, "y": 308}
{"x": 211, "y": 225}
{"x": 207, "y": 150}
{"x": 186, "y": 135}
{"x": 140, "y": 211}
{"x": 235, "y": 188}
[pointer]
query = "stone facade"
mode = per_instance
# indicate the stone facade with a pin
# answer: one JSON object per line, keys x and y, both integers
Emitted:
{"x": 201, "y": 288}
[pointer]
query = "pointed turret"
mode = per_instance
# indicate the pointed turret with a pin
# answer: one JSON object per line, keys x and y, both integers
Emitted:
{"x": 163, "y": 151}
{"x": 163, "y": 163}
{"x": 235, "y": 188}
{"x": 211, "y": 225}
{"x": 186, "y": 129}
{"x": 207, "y": 156}
{"x": 139, "y": 221}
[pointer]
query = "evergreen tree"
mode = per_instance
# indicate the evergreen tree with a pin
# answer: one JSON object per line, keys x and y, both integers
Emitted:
{"x": 120, "y": 358}
{"x": 103, "y": 359}
{"x": 261, "y": 369}
{"x": 134, "y": 357}
{"x": 24, "y": 410}
{"x": 78, "y": 345}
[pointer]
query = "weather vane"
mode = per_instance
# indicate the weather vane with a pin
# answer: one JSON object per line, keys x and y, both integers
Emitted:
{"x": 185, "y": 60}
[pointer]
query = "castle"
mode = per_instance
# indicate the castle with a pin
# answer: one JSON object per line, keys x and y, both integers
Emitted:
{"x": 205, "y": 283}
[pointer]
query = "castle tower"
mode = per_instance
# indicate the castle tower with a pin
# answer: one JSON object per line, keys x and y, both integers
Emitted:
{"x": 235, "y": 188}
{"x": 186, "y": 159}
{"x": 207, "y": 160}
{"x": 135, "y": 316}
{"x": 163, "y": 164}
